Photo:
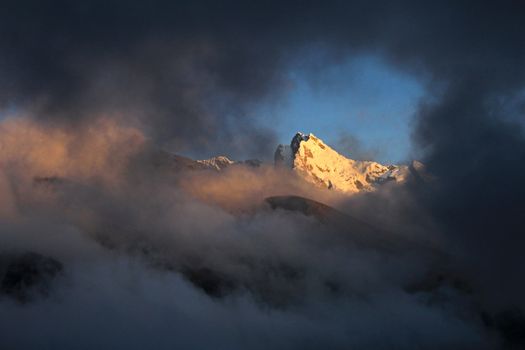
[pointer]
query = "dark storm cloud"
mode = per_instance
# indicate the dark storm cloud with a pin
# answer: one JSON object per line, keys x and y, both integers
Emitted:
{"x": 471, "y": 134}
{"x": 193, "y": 72}
{"x": 186, "y": 71}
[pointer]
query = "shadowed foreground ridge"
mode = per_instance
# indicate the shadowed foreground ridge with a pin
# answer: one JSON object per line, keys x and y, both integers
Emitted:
{"x": 306, "y": 206}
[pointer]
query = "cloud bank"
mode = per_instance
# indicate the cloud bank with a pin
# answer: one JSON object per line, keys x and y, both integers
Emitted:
{"x": 152, "y": 256}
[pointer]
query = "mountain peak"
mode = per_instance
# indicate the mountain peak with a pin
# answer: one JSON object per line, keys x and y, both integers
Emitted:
{"x": 321, "y": 165}
{"x": 217, "y": 163}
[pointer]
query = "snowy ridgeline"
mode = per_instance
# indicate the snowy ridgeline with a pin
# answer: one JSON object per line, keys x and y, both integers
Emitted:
{"x": 321, "y": 165}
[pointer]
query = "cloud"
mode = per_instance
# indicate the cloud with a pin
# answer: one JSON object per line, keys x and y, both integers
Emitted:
{"x": 351, "y": 147}
{"x": 134, "y": 294}
{"x": 191, "y": 74}
{"x": 163, "y": 261}
{"x": 102, "y": 84}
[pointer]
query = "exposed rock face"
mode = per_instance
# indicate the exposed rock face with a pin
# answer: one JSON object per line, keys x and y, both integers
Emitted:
{"x": 319, "y": 164}
{"x": 284, "y": 156}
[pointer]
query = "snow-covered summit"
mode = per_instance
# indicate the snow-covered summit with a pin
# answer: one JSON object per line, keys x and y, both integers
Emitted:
{"x": 319, "y": 164}
{"x": 217, "y": 163}
{"x": 178, "y": 163}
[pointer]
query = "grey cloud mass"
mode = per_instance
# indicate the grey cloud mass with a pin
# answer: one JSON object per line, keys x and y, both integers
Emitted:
{"x": 158, "y": 258}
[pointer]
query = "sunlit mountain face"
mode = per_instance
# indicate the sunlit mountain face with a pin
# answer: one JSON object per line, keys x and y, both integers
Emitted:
{"x": 273, "y": 175}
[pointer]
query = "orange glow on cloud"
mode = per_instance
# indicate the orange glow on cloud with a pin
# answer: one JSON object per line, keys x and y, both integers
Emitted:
{"x": 97, "y": 150}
